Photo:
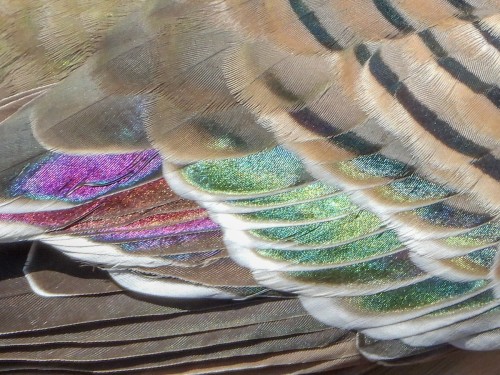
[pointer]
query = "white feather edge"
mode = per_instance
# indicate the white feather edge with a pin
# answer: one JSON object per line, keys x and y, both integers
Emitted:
{"x": 99, "y": 254}
{"x": 163, "y": 288}
{"x": 234, "y": 207}
{"x": 31, "y": 281}
{"x": 172, "y": 174}
{"x": 23, "y": 205}
{"x": 247, "y": 257}
{"x": 439, "y": 268}
{"x": 426, "y": 323}
{"x": 457, "y": 331}
{"x": 230, "y": 205}
{"x": 231, "y": 221}
{"x": 438, "y": 250}
{"x": 481, "y": 342}
{"x": 333, "y": 312}
{"x": 11, "y": 231}
{"x": 274, "y": 280}
{"x": 243, "y": 238}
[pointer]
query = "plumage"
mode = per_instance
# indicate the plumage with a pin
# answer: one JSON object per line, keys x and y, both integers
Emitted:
{"x": 232, "y": 186}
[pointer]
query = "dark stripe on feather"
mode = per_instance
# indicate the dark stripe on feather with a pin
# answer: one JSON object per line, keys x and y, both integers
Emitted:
{"x": 466, "y": 10}
{"x": 427, "y": 119}
{"x": 390, "y": 13}
{"x": 313, "y": 24}
{"x": 311, "y": 121}
{"x": 353, "y": 142}
{"x": 488, "y": 35}
{"x": 275, "y": 85}
{"x": 462, "y": 5}
{"x": 362, "y": 53}
{"x": 349, "y": 141}
{"x": 489, "y": 165}
{"x": 459, "y": 71}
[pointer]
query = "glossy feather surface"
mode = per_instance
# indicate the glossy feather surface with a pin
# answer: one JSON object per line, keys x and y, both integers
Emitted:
{"x": 307, "y": 176}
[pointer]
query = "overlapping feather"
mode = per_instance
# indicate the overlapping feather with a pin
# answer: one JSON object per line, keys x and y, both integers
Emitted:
{"x": 343, "y": 152}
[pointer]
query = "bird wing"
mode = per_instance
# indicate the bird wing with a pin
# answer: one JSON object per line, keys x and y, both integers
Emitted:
{"x": 345, "y": 153}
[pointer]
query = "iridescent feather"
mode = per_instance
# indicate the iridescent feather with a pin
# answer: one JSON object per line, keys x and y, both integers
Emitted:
{"x": 234, "y": 186}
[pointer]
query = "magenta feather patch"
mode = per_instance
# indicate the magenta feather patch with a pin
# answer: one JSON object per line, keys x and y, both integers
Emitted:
{"x": 77, "y": 179}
